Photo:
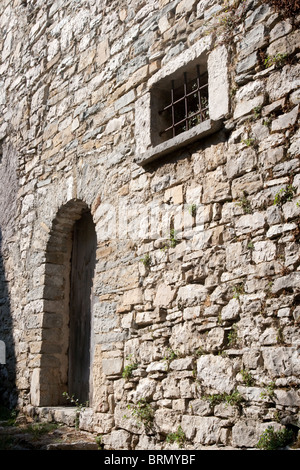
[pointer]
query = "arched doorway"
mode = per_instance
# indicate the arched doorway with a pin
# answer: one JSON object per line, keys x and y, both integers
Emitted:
{"x": 68, "y": 298}
{"x": 82, "y": 272}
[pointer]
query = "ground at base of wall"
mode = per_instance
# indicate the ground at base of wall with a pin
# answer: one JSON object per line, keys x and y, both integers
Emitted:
{"x": 44, "y": 436}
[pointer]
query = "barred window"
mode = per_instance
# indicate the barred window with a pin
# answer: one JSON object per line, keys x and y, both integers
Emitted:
{"x": 188, "y": 103}
{"x": 186, "y": 100}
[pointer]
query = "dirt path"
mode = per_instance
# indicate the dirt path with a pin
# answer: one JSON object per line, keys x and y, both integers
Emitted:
{"x": 44, "y": 436}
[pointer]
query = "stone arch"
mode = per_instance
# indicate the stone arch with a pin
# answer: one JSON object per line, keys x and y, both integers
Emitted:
{"x": 66, "y": 331}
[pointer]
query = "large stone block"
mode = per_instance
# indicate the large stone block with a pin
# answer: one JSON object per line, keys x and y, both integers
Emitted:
{"x": 217, "y": 374}
{"x": 112, "y": 366}
{"x": 248, "y": 97}
{"x": 218, "y": 83}
{"x": 247, "y": 433}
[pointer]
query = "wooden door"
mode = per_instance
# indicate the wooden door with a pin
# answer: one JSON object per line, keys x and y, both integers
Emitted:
{"x": 82, "y": 272}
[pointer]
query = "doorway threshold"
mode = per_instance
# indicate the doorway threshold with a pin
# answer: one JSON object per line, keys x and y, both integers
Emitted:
{"x": 60, "y": 414}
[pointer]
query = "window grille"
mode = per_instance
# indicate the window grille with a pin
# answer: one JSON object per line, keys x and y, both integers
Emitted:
{"x": 188, "y": 105}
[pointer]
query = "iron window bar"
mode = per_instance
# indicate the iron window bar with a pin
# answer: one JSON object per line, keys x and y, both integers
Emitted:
{"x": 188, "y": 116}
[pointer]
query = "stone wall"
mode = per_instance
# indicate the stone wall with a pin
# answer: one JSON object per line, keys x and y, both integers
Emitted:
{"x": 196, "y": 286}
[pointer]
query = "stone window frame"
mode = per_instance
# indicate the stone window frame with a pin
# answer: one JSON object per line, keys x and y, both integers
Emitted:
{"x": 148, "y": 147}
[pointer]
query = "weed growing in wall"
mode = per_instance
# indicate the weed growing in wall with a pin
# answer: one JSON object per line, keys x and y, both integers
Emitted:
{"x": 127, "y": 372}
{"x": 284, "y": 195}
{"x": 79, "y": 406}
{"x": 170, "y": 355}
{"x": 99, "y": 442}
{"x": 238, "y": 290}
{"x": 146, "y": 260}
{"x": 269, "y": 392}
{"x": 192, "y": 210}
{"x": 247, "y": 378}
{"x": 245, "y": 204}
{"x": 173, "y": 238}
{"x": 273, "y": 440}
{"x": 179, "y": 437}
{"x": 234, "y": 398}
{"x": 143, "y": 413}
{"x": 278, "y": 60}
{"x": 232, "y": 337}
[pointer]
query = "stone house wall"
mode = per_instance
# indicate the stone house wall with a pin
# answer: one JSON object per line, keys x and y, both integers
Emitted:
{"x": 196, "y": 285}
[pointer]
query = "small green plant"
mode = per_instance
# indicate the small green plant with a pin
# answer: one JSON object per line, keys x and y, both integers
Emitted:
{"x": 245, "y": 204}
{"x": 278, "y": 60}
{"x": 257, "y": 112}
{"x": 146, "y": 260}
{"x": 179, "y": 437}
{"x": 267, "y": 121}
{"x": 173, "y": 241}
{"x": 170, "y": 355}
{"x": 273, "y": 440}
{"x": 127, "y": 372}
{"x": 79, "y": 406}
{"x": 143, "y": 413}
{"x": 173, "y": 238}
{"x": 39, "y": 429}
{"x": 249, "y": 142}
{"x": 193, "y": 209}
{"x": 284, "y": 195}
{"x": 99, "y": 442}
{"x": 269, "y": 392}
{"x": 232, "y": 16}
{"x": 247, "y": 377}
{"x": 250, "y": 245}
{"x": 232, "y": 337}
{"x": 280, "y": 336}
{"x": 234, "y": 398}
{"x": 238, "y": 290}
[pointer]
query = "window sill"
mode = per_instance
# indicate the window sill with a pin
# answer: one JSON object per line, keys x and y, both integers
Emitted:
{"x": 203, "y": 129}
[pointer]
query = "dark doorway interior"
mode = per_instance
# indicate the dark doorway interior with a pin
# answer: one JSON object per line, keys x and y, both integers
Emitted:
{"x": 82, "y": 273}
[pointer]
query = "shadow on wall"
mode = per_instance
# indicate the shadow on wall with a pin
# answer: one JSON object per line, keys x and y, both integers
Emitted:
{"x": 8, "y": 394}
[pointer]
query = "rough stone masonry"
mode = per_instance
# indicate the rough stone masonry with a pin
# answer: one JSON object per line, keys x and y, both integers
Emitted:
{"x": 190, "y": 298}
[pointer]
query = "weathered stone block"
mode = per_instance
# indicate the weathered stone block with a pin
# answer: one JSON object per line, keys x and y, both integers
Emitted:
{"x": 247, "y": 433}
{"x": 283, "y": 81}
{"x": 164, "y": 296}
{"x": 182, "y": 364}
{"x": 231, "y": 310}
{"x": 249, "y": 223}
{"x": 216, "y": 187}
{"x": 281, "y": 362}
{"x": 217, "y": 66}
{"x": 216, "y": 373}
{"x": 112, "y": 366}
{"x": 284, "y": 45}
{"x": 286, "y": 120}
{"x": 263, "y": 251}
{"x": 208, "y": 432}
{"x": 166, "y": 420}
{"x": 252, "y": 41}
{"x": 118, "y": 440}
{"x": 249, "y": 97}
